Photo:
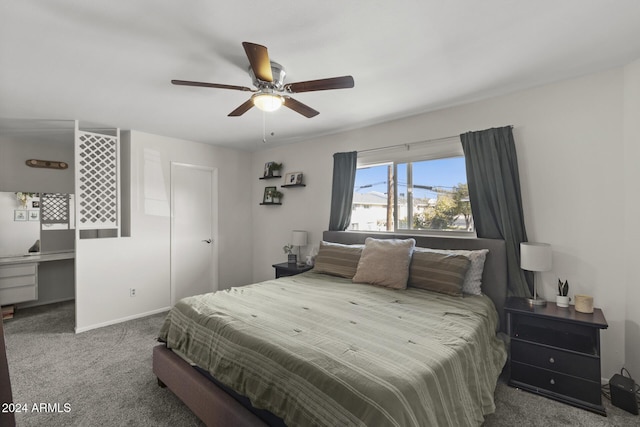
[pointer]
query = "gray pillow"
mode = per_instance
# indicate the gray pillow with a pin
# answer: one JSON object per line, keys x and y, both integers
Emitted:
{"x": 337, "y": 259}
{"x": 438, "y": 272}
{"x": 473, "y": 279}
{"x": 385, "y": 262}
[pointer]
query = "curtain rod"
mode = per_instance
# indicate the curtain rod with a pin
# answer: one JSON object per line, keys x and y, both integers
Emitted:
{"x": 408, "y": 145}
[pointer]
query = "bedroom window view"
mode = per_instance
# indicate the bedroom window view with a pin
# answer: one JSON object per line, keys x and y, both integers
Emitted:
{"x": 425, "y": 195}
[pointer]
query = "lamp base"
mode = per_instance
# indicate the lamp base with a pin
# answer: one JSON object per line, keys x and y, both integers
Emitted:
{"x": 536, "y": 301}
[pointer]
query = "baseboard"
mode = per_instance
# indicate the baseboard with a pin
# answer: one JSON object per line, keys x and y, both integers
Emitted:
{"x": 122, "y": 319}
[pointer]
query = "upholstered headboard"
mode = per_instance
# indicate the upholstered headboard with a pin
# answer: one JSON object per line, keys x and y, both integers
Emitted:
{"x": 494, "y": 276}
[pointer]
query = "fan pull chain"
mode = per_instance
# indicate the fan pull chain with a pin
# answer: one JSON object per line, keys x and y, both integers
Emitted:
{"x": 264, "y": 128}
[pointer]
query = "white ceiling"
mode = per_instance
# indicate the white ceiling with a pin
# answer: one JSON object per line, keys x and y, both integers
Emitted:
{"x": 111, "y": 62}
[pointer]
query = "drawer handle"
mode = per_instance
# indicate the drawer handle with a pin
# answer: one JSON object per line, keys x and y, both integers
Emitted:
{"x": 551, "y": 360}
{"x": 552, "y": 381}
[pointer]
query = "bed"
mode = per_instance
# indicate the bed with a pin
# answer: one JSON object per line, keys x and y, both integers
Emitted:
{"x": 316, "y": 349}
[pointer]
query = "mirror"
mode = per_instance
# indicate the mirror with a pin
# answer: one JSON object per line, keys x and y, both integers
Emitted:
{"x": 19, "y": 222}
{"x": 26, "y": 218}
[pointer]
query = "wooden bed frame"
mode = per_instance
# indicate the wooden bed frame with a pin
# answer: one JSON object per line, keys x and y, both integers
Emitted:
{"x": 216, "y": 407}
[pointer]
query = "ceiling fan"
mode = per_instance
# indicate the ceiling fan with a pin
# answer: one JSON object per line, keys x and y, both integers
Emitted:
{"x": 272, "y": 92}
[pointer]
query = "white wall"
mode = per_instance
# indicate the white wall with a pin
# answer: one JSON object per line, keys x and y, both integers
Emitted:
{"x": 15, "y": 175}
{"x": 632, "y": 213}
{"x": 569, "y": 139}
{"x": 107, "y": 268}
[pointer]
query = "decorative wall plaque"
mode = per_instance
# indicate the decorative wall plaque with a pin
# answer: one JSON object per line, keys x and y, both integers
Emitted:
{"x": 35, "y": 163}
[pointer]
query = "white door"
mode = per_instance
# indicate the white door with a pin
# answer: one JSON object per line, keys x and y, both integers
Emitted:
{"x": 193, "y": 231}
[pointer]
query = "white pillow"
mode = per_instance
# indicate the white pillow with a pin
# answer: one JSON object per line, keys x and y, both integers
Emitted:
{"x": 473, "y": 279}
{"x": 385, "y": 262}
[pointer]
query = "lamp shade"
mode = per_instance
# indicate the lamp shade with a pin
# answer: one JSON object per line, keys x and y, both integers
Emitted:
{"x": 299, "y": 238}
{"x": 535, "y": 256}
{"x": 267, "y": 101}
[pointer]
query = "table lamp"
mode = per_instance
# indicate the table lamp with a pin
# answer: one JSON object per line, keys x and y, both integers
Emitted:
{"x": 299, "y": 238}
{"x": 535, "y": 257}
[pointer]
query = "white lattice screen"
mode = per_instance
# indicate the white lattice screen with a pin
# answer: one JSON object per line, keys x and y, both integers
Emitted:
{"x": 54, "y": 208}
{"x": 97, "y": 175}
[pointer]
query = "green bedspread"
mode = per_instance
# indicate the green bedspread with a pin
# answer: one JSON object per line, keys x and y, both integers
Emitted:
{"x": 318, "y": 350}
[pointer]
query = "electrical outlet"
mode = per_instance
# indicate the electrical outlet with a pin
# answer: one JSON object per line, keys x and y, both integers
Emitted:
{"x": 132, "y": 292}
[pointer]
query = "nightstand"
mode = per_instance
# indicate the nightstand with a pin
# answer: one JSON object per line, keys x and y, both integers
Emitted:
{"x": 285, "y": 269}
{"x": 555, "y": 352}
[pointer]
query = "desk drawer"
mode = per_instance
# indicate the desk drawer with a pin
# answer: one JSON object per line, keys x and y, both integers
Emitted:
{"x": 17, "y": 270}
{"x": 15, "y": 282}
{"x": 18, "y": 283}
{"x": 577, "y": 365}
{"x": 587, "y": 391}
{"x": 18, "y": 294}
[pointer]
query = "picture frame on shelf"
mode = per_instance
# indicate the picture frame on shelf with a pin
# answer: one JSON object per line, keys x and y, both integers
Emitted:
{"x": 272, "y": 170}
{"x": 268, "y": 198}
{"x": 19, "y": 215}
{"x": 293, "y": 178}
{"x": 267, "y": 169}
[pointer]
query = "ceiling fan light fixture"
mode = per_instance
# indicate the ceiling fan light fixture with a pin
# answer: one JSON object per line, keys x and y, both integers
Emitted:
{"x": 270, "y": 92}
{"x": 267, "y": 101}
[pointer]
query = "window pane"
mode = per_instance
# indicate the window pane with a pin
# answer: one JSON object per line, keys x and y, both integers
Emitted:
{"x": 370, "y": 199}
{"x": 441, "y": 196}
{"x": 428, "y": 195}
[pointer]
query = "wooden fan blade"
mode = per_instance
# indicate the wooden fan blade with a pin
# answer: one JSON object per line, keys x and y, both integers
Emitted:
{"x": 259, "y": 60}
{"x": 241, "y": 109}
{"x": 344, "y": 82}
{"x": 299, "y": 107}
{"x": 213, "y": 85}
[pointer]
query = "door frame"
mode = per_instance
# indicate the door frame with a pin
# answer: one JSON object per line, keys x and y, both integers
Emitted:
{"x": 214, "y": 225}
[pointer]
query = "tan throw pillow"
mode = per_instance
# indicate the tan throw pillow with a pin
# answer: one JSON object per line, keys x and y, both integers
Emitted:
{"x": 385, "y": 262}
{"x": 438, "y": 272}
{"x": 337, "y": 260}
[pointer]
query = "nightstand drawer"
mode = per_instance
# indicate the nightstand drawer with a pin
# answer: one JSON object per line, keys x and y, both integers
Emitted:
{"x": 587, "y": 391}
{"x": 281, "y": 273}
{"x": 577, "y": 365}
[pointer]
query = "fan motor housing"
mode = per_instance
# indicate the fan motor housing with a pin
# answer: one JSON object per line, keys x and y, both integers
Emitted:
{"x": 278, "y": 73}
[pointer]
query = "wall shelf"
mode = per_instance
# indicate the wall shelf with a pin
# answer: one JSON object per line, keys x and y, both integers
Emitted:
{"x": 293, "y": 185}
{"x": 270, "y": 177}
{"x": 269, "y": 203}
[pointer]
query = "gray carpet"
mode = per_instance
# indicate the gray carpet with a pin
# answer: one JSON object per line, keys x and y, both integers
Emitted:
{"x": 105, "y": 377}
{"x": 104, "y": 374}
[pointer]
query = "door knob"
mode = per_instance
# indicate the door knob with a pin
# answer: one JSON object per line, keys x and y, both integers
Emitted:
{"x": 207, "y": 241}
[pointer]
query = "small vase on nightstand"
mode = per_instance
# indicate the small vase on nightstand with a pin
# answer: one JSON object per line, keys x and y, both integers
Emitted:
{"x": 562, "y": 301}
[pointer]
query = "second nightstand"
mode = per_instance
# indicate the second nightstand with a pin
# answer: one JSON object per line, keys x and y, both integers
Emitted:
{"x": 555, "y": 352}
{"x": 285, "y": 269}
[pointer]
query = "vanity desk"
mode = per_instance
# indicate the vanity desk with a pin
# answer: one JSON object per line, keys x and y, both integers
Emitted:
{"x": 19, "y": 275}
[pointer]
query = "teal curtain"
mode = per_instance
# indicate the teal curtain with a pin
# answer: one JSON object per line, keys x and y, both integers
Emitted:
{"x": 344, "y": 178}
{"x": 496, "y": 202}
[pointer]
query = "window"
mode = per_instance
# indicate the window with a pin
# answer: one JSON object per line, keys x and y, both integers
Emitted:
{"x": 418, "y": 195}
